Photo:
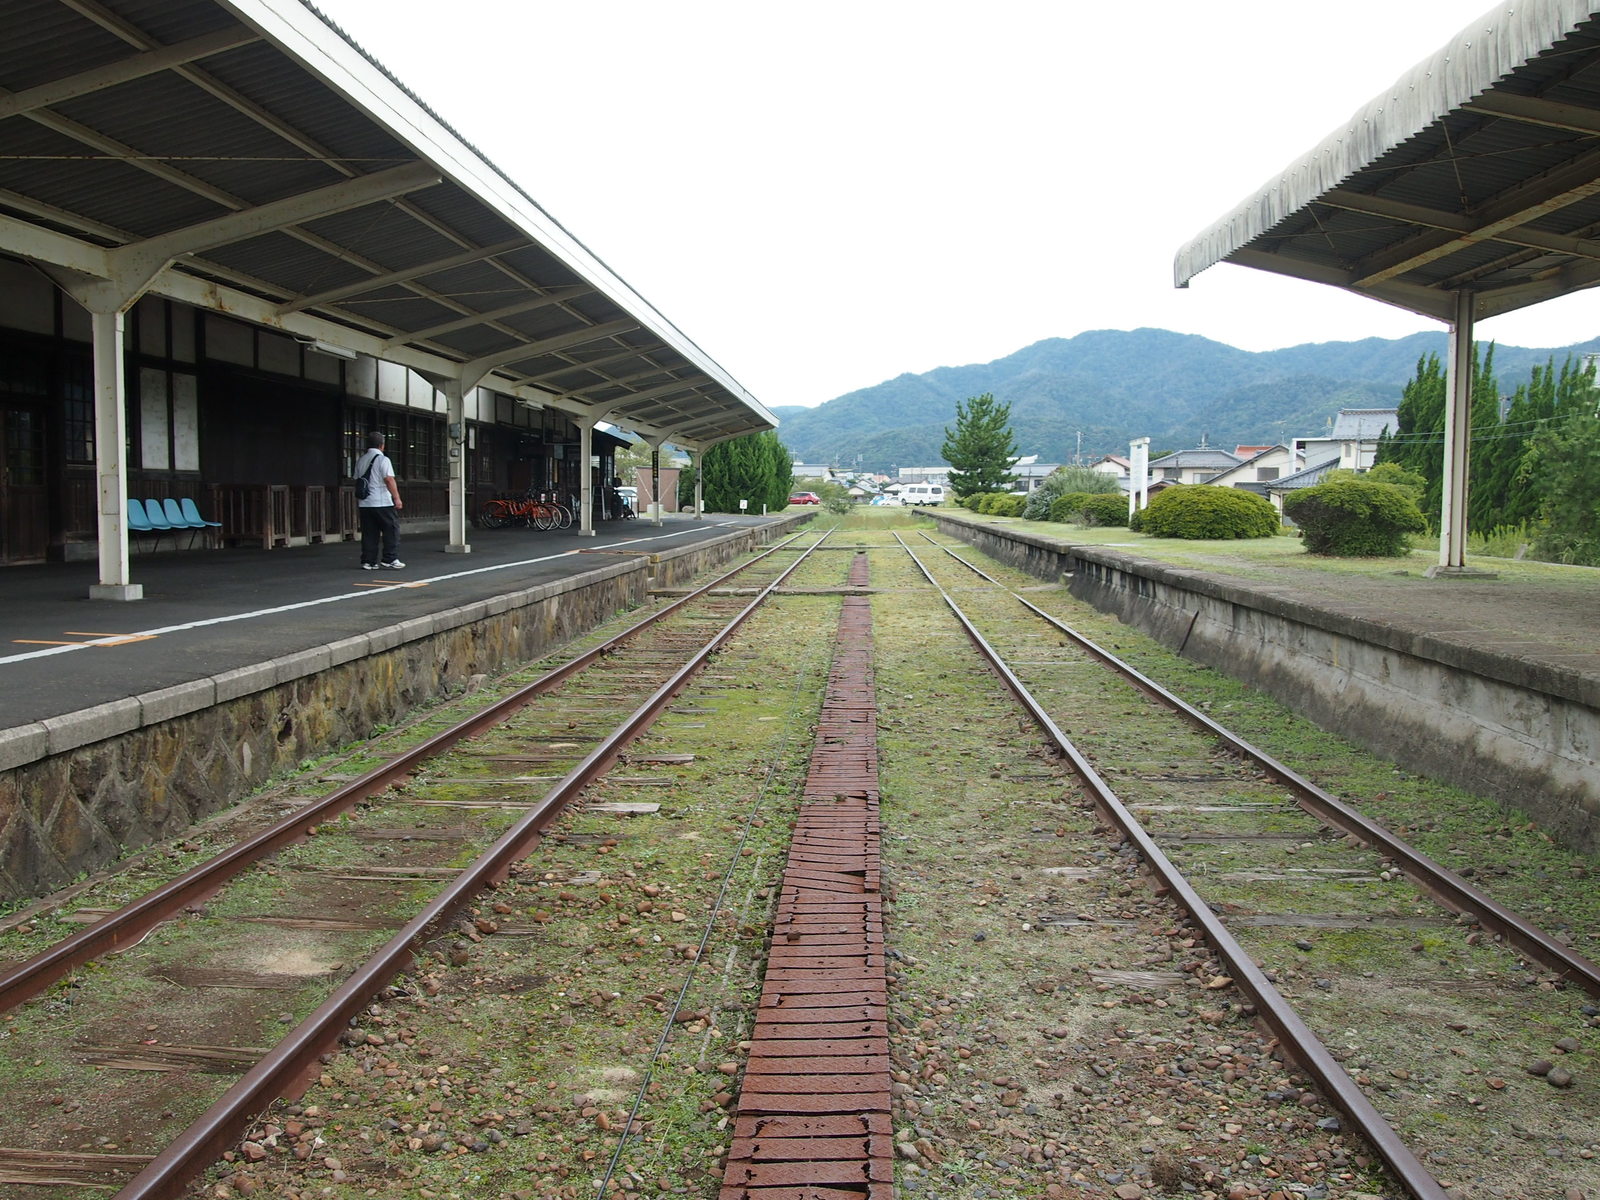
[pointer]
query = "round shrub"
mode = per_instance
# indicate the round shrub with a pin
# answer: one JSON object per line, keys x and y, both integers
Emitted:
{"x": 1010, "y": 506}
{"x": 1067, "y": 507}
{"x": 1199, "y": 511}
{"x": 1104, "y": 510}
{"x": 1355, "y": 518}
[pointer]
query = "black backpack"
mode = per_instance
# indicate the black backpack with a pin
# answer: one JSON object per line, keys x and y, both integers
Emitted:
{"x": 364, "y": 480}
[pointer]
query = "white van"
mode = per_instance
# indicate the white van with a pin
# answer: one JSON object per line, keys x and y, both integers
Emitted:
{"x": 922, "y": 493}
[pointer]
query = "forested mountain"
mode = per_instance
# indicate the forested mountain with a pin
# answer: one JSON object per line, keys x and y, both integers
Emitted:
{"x": 1112, "y": 385}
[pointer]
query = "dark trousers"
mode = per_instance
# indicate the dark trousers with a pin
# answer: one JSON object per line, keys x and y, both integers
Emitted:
{"x": 376, "y": 523}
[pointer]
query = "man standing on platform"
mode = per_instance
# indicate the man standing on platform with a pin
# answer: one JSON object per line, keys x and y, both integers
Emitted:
{"x": 378, "y": 501}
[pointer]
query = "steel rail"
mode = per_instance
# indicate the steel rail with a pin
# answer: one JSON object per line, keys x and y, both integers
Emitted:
{"x": 134, "y": 920}
{"x": 1297, "y": 1039}
{"x": 1438, "y": 880}
{"x": 287, "y": 1068}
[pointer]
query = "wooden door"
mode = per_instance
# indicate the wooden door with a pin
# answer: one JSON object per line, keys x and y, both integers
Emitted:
{"x": 24, "y": 502}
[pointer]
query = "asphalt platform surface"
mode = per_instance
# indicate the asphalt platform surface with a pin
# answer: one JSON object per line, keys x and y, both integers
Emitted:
{"x": 205, "y": 612}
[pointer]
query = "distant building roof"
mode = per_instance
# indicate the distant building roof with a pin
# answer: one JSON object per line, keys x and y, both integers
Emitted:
{"x": 1364, "y": 424}
{"x": 1309, "y": 477}
{"x": 1260, "y": 452}
{"x": 1249, "y": 451}
{"x": 1031, "y": 468}
{"x": 1217, "y": 460}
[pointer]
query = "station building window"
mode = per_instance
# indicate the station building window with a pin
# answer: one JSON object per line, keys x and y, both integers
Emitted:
{"x": 168, "y": 420}
{"x": 77, "y": 411}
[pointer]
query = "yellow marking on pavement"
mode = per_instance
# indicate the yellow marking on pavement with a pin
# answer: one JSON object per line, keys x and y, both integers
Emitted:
{"x": 118, "y": 639}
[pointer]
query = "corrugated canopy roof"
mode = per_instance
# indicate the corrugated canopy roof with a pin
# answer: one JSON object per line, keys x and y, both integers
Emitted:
{"x": 1478, "y": 170}
{"x": 245, "y": 156}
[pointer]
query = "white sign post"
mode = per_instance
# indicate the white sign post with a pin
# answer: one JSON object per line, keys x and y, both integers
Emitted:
{"x": 1138, "y": 475}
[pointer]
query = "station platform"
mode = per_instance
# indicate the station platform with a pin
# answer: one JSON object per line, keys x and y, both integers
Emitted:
{"x": 209, "y": 612}
{"x": 124, "y": 722}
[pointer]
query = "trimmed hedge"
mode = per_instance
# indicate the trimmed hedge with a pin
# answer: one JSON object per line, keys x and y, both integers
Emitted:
{"x": 1104, "y": 510}
{"x": 1355, "y": 518}
{"x": 1067, "y": 506}
{"x": 1202, "y": 511}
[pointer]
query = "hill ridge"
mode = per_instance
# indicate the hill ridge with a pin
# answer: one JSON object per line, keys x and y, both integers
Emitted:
{"x": 1112, "y": 385}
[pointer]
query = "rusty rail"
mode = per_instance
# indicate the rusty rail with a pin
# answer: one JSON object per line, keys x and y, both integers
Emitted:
{"x": 135, "y": 919}
{"x": 1293, "y": 1034}
{"x": 286, "y": 1070}
{"x": 1438, "y": 880}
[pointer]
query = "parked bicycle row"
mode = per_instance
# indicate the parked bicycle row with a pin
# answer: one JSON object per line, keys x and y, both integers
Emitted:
{"x": 548, "y": 510}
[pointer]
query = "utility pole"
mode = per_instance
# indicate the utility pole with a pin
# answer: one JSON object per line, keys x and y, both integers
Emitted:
{"x": 1077, "y": 459}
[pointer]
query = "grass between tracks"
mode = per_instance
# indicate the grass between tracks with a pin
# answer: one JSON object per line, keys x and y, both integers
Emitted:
{"x": 1438, "y": 1022}
{"x": 509, "y": 1061}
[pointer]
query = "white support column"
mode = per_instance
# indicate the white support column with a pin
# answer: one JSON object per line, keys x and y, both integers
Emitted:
{"x": 456, "y": 433}
{"x": 1457, "y": 432}
{"x": 586, "y": 498}
{"x": 111, "y": 460}
{"x": 697, "y": 461}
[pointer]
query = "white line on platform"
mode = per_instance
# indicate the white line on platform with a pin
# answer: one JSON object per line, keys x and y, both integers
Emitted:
{"x": 118, "y": 639}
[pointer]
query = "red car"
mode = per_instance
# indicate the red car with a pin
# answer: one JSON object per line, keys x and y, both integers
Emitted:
{"x": 805, "y": 498}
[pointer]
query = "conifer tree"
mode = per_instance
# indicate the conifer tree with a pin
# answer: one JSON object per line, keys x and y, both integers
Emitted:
{"x": 756, "y": 468}
{"x": 981, "y": 448}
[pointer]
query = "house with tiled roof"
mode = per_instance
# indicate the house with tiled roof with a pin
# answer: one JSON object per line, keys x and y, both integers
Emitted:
{"x": 1310, "y": 476}
{"x": 1191, "y": 466}
{"x": 1265, "y": 465}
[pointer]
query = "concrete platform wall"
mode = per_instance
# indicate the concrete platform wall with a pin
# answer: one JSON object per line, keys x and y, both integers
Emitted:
{"x": 80, "y": 790}
{"x": 1524, "y": 734}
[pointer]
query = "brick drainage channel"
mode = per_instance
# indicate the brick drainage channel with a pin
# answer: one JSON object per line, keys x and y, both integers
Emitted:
{"x": 813, "y": 1116}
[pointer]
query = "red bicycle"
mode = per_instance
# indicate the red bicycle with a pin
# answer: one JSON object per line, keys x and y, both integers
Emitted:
{"x": 537, "y": 512}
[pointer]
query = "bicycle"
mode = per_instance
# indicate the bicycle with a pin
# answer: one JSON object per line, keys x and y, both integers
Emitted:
{"x": 536, "y": 512}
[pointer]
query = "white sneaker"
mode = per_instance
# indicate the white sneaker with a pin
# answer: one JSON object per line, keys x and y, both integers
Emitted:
{"x": 369, "y": 566}
{"x": 391, "y": 566}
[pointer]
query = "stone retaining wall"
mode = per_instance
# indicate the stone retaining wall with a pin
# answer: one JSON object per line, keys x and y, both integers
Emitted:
{"x": 83, "y": 788}
{"x": 1524, "y": 733}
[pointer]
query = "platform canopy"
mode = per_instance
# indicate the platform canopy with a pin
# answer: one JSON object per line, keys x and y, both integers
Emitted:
{"x": 245, "y": 156}
{"x": 1474, "y": 179}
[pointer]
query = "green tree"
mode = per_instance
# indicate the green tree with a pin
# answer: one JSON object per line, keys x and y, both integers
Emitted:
{"x": 757, "y": 468}
{"x": 1568, "y": 456}
{"x": 981, "y": 448}
{"x": 1418, "y": 442}
{"x": 1506, "y": 490}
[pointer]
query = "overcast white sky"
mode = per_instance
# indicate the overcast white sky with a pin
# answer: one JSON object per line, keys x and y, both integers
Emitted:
{"x": 824, "y": 196}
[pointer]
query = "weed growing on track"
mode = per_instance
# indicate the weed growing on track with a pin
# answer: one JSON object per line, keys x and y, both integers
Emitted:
{"x": 508, "y": 1061}
{"x": 1055, "y": 1033}
{"x": 1446, "y": 1057}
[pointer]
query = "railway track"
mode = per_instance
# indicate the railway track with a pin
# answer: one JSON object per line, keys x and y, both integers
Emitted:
{"x": 1267, "y": 855}
{"x": 484, "y": 790}
{"x": 1034, "y": 1013}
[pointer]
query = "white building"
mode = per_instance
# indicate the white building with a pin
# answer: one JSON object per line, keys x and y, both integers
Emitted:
{"x": 1354, "y": 437}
